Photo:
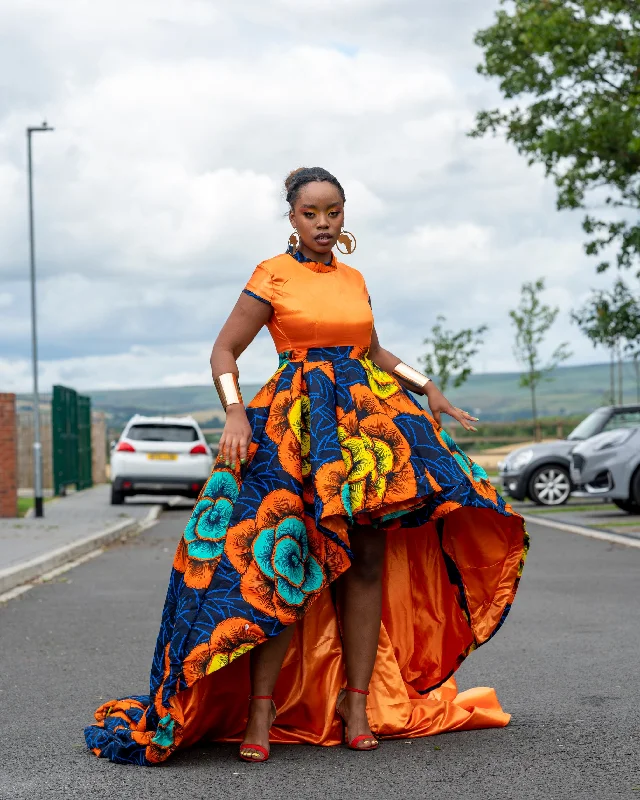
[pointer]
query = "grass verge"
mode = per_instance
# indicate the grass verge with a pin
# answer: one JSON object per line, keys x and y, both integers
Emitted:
{"x": 632, "y": 523}
{"x": 569, "y": 509}
{"x": 25, "y": 503}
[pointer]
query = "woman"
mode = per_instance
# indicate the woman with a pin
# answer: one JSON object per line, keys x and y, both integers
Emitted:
{"x": 342, "y": 535}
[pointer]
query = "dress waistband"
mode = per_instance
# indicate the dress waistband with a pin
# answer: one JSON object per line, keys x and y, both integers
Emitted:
{"x": 339, "y": 353}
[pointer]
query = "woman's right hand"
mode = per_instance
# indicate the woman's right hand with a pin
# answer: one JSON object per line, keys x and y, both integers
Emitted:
{"x": 439, "y": 404}
{"x": 234, "y": 442}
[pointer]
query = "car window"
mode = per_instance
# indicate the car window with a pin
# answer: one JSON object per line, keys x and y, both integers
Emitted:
{"x": 590, "y": 425}
{"x": 623, "y": 419}
{"x": 162, "y": 433}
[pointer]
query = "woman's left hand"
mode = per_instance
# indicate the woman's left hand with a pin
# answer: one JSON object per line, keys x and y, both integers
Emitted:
{"x": 439, "y": 404}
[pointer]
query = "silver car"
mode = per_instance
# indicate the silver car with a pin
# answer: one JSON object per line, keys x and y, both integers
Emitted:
{"x": 608, "y": 465}
{"x": 541, "y": 471}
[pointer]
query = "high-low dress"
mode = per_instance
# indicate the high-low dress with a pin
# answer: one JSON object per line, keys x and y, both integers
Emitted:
{"x": 337, "y": 442}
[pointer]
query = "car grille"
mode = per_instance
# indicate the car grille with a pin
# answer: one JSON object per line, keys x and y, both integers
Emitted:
{"x": 577, "y": 461}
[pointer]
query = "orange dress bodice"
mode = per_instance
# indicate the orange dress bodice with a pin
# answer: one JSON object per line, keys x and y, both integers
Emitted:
{"x": 313, "y": 304}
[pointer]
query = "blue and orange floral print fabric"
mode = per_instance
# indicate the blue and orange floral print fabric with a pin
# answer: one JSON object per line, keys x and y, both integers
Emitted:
{"x": 336, "y": 442}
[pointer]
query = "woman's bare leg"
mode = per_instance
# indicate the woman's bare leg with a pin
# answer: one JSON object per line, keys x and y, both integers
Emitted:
{"x": 266, "y": 661}
{"x": 361, "y": 603}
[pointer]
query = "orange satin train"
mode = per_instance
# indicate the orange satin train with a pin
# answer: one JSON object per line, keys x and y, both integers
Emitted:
{"x": 423, "y": 634}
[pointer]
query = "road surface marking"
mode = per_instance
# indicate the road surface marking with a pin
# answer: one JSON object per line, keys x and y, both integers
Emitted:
{"x": 591, "y": 533}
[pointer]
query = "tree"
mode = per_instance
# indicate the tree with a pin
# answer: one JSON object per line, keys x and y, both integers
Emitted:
{"x": 448, "y": 360}
{"x": 632, "y": 336}
{"x": 575, "y": 65}
{"x": 532, "y": 319}
{"x": 612, "y": 319}
{"x": 636, "y": 366}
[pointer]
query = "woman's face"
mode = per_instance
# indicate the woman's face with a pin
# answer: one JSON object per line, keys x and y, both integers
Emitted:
{"x": 318, "y": 216}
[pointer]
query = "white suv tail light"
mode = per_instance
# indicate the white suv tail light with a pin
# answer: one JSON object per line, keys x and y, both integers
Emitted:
{"x": 125, "y": 447}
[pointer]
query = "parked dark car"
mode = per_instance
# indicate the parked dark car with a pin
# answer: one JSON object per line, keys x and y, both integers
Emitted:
{"x": 541, "y": 471}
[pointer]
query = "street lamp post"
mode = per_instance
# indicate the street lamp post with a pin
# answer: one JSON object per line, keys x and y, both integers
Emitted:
{"x": 37, "y": 444}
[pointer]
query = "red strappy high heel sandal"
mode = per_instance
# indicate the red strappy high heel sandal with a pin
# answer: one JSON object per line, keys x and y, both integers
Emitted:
{"x": 246, "y": 747}
{"x": 353, "y": 744}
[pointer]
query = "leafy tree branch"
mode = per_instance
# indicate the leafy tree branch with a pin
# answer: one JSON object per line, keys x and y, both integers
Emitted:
{"x": 448, "y": 359}
{"x": 532, "y": 320}
{"x": 573, "y": 69}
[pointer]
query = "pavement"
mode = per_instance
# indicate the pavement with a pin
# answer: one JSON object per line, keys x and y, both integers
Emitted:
{"x": 585, "y": 513}
{"x": 72, "y": 526}
{"x": 564, "y": 665}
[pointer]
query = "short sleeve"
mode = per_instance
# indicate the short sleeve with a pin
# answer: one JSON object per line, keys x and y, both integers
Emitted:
{"x": 260, "y": 285}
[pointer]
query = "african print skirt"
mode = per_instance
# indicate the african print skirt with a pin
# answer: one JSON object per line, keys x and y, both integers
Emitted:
{"x": 336, "y": 442}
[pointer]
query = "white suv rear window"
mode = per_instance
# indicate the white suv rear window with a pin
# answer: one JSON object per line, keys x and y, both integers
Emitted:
{"x": 162, "y": 433}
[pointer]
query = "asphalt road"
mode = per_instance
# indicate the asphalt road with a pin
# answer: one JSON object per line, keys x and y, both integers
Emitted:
{"x": 565, "y": 665}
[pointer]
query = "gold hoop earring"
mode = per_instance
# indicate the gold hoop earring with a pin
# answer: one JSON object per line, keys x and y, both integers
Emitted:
{"x": 294, "y": 242}
{"x": 348, "y": 240}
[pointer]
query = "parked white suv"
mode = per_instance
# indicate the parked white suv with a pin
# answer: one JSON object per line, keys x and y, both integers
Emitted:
{"x": 159, "y": 455}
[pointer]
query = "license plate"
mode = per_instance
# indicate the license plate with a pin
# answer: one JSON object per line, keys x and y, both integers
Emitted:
{"x": 162, "y": 456}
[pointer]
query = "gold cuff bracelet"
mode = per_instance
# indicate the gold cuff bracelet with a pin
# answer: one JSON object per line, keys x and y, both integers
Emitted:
{"x": 411, "y": 376}
{"x": 228, "y": 389}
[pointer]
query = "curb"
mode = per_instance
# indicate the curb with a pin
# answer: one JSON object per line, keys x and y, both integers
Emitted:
{"x": 591, "y": 533}
{"x": 33, "y": 569}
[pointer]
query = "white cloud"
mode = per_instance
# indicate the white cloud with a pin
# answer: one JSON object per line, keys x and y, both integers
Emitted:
{"x": 168, "y": 365}
{"x": 463, "y": 241}
{"x": 176, "y": 121}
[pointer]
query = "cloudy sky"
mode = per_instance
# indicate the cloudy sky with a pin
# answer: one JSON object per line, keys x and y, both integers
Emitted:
{"x": 161, "y": 187}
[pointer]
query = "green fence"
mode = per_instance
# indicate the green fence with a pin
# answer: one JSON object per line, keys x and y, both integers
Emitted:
{"x": 71, "y": 434}
{"x": 84, "y": 443}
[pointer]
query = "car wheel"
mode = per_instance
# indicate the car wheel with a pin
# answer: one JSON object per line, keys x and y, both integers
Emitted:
{"x": 550, "y": 486}
{"x": 627, "y": 506}
{"x": 117, "y": 497}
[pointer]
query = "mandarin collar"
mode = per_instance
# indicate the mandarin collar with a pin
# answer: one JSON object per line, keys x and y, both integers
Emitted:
{"x": 315, "y": 266}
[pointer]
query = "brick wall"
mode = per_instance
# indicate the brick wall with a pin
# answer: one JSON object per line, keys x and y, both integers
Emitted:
{"x": 99, "y": 447}
{"x": 8, "y": 457}
{"x": 25, "y": 448}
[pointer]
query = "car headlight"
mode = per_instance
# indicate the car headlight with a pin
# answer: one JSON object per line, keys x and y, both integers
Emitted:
{"x": 613, "y": 439}
{"x": 520, "y": 460}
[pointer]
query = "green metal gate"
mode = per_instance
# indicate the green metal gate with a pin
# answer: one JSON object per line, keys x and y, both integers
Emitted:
{"x": 71, "y": 434}
{"x": 84, "y": 442}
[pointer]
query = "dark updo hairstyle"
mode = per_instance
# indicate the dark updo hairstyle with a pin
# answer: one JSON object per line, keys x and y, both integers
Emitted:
{"x": 300, "y": 177}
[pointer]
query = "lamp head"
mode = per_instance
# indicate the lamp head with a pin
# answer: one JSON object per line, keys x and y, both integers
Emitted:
{"x": 43, "y": 127}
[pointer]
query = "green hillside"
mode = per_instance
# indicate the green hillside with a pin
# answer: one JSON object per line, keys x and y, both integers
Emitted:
{"x": 495, "y": 396}
{"x": 201, "y": 401}
{"x": 572, "y": 390}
